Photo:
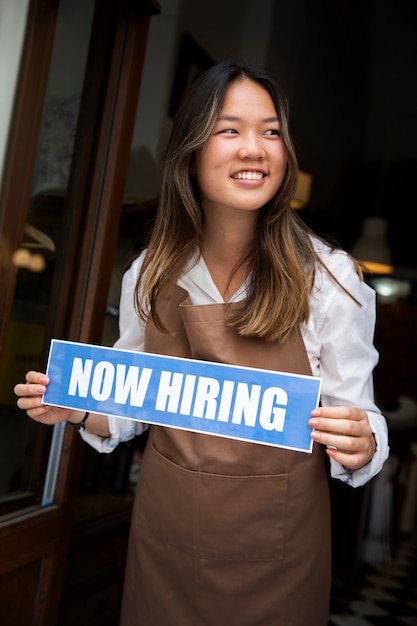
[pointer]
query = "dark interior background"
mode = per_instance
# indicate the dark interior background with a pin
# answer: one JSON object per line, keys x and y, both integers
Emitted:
{"x": 349, "y": 71}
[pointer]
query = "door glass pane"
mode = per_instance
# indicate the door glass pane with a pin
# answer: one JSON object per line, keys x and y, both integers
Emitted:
{"x": 24, "y": 444}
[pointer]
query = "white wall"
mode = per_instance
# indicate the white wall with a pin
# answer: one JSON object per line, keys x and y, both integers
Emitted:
{"x": 12, "y": 28}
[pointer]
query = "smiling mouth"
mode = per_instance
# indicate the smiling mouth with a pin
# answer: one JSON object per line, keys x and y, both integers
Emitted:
{"x": 249, "y": 175}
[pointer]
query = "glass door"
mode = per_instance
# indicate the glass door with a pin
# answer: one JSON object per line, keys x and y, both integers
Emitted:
{"x": 26, "y": 456}
{"x": 65, "y": 167}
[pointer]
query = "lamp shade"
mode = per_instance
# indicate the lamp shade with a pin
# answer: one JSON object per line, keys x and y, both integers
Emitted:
{"x": 372, "y": 248}
{"x": 303, "y": 191}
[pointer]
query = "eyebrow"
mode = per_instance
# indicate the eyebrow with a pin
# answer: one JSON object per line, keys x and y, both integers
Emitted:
{"x": 233, "y": 118}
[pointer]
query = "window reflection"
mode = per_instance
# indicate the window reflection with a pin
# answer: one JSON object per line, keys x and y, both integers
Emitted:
{"x": 25, "y": 446}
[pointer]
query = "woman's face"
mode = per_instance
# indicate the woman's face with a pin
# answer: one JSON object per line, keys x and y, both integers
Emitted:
{"x": 242, "y": 165}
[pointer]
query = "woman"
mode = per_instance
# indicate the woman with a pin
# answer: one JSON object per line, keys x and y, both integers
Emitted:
{"x": 227, "y": 532}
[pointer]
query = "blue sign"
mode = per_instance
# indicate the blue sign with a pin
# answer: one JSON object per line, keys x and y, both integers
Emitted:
{"x": 260, "y": 406}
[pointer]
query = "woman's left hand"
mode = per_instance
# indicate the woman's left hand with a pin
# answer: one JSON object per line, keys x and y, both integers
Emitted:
{"x": 347, "y": 433}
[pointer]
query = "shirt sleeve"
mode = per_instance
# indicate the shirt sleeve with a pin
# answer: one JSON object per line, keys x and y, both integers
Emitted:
{"x": 348, "y": 357}
{"x": 131, "y": 338}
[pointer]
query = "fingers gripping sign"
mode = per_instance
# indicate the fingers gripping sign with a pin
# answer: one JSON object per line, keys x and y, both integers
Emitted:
{"x": 346, "y": 433}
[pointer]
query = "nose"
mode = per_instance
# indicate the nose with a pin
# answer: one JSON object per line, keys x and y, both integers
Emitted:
{"x": 251, "y": 147}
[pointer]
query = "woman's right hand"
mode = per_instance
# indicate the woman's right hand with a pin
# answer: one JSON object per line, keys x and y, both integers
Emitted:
{"x": 30, "y": 399}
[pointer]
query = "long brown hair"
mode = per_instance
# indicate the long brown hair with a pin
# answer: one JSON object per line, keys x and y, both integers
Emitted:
{"x": 282, "y": 260}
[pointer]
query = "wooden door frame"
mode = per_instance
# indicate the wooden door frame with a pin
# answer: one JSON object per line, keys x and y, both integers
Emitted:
{"x": 34, "y": 542}
{"x": 22, "y": 143}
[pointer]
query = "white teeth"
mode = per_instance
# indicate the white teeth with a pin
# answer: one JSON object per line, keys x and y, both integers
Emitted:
{"x": 248, "y": 175}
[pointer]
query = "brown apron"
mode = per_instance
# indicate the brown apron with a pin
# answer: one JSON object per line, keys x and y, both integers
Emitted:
{"x": 225, "y": 532}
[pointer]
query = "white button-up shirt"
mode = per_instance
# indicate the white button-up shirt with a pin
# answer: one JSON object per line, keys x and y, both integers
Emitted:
{"x": 338, "y": 338}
